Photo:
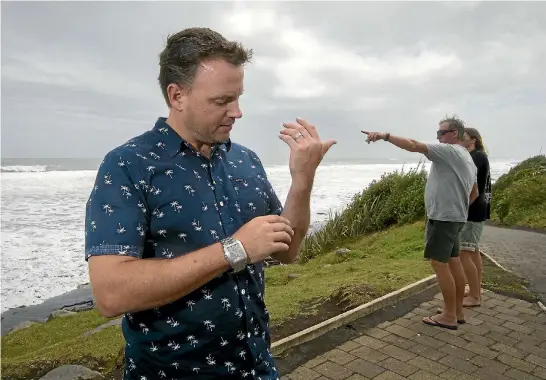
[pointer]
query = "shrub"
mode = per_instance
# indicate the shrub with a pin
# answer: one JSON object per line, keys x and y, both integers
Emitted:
{"x": 519, "y": 196}
{"x": 396, "y": 198}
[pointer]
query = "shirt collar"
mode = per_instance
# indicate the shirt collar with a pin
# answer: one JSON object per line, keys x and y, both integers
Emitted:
{"x": 174, "y": 144}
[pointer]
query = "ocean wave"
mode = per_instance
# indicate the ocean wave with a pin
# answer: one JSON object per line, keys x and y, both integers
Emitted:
{"x": 28, "y": 168}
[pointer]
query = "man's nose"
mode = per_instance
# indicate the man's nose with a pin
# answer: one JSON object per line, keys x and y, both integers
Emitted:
{"x": 235, "y": 110}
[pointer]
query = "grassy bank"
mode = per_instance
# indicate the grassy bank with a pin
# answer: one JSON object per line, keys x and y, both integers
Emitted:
{"x": 396, "y": 198}
{"x": 519, "y": 196}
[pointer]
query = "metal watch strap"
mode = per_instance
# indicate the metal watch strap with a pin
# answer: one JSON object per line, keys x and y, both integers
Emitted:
{"x": 237, "y": 262}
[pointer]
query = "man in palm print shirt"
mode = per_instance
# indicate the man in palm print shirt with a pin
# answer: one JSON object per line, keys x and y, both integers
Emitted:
{"x": 181, "y": 218}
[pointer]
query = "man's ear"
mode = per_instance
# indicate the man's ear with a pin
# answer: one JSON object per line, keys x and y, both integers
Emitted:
{"x": 177, "y": 96}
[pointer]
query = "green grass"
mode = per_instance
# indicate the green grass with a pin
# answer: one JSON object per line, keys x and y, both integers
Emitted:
{"x": 396, "y": 198}
{"x": 519, "y": 196}
{"x": 383, "y": 261}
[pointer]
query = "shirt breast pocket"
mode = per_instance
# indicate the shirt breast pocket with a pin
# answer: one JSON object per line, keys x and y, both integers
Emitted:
{"x": 251, "y": 195}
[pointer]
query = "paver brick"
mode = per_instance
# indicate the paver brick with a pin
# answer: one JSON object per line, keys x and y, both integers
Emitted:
{"x": 519, "y": 375}
{"x": 333, "y": 371}
{"x": 500, "y": 338}
{"x": 481, "y": 350}
{"x": 516, "y": 363}
{"x": 501, "y": 347}
{"x": 369, "y": 341}
{"x": 526, "y": 338}
{"x": 540, "y": 372}
{"x": 398, "y": 341}
{"x": 349, "y": 345}
{"x": 518, "y": 302}
{"x": 389, "y": 376}
{"x": 453, "y": 374}
{"x": 303, "y": 373}
{"x": 427, "y": 352}
{"x": 458, "y": 364}
{"x": 486, "y": 374}
{"x": 369, "y": 354}
{"x": 315, "y": 361}
{"x": 540, "y": 361}
{"x": 451, "y": 339}
{"x": 526, "y": 310}
{"x": 365, "y": 368}
{"x": 531, "y": 349}
{"x": 491, "y": 365}
{"x": 338, "y": 356}
{"x": 458, "y": 352}
{"x": 428, "y": 365}
{"x": 402, "y": 322}
{"x": 505, "y": 310}
{"x": 476, "y": 338}
{"x": 423, "y": 375}
{"x": 421, "y": 328}
{"x": 401, "y": 331}
{"x": 397, "y": 353}
{"x": 377, "y": 333}
{"x": 511, "y": 318}
{"x": 428, "y": 341}
{"x": 399, "y": 367}
{"x": 356, "y": 376}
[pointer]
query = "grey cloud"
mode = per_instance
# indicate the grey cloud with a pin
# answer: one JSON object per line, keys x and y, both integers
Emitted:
{"x": 79, "y": 78}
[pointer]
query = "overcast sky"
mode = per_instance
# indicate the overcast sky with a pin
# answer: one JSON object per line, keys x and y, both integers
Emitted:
{"x": 81, "y": 78}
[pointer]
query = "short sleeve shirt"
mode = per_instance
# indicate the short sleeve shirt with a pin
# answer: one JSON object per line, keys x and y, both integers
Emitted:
{"x": 452, "y": 175}
{"x": 156, "y": 197}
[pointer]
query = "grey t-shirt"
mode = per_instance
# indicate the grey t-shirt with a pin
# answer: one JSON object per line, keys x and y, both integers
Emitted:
{"x": 452, "y": 175}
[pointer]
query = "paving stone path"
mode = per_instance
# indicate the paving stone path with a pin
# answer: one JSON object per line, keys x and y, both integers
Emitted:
{"x": 505, "y": 338}
{"x": 522, "y": 252}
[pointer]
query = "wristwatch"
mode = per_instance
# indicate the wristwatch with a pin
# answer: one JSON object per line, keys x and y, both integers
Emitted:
{"x": 235, "y": 254}
{"x": 387, "y": 136}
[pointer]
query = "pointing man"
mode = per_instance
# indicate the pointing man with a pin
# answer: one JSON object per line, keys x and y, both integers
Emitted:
{"x": 450, "y": 188}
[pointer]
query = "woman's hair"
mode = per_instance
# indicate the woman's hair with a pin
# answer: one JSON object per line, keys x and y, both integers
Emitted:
{"x": 474, "y": 134}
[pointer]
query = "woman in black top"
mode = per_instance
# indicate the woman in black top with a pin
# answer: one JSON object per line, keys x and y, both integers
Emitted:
{"x": 478, "y": 213}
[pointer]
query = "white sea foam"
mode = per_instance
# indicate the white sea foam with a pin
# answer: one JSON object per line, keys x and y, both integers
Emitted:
{"x": 43, "y": 216}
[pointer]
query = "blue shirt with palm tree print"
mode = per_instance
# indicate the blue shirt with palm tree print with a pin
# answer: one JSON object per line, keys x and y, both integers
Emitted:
{"x": 156, "y": 197}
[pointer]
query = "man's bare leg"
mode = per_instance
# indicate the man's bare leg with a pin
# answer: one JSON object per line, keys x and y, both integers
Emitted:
{"x": 471, "y": 273}
{"x": 447, "y": 286}
{"x": 457, "y": 272}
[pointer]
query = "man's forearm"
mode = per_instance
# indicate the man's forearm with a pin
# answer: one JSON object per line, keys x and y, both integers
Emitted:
{"x": 297, "y": 209}
{"x": 141, "y": 284}
{"x": 407, "y": 144}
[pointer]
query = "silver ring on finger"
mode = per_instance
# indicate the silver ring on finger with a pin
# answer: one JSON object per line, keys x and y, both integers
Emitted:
{"x": 298, "y": 135}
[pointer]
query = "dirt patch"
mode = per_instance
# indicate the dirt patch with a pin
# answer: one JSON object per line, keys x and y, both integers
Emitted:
{"x": 319, "y": 310}
{"x": 505, "y": 283}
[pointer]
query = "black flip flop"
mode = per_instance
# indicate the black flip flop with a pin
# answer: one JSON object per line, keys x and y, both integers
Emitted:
{"x": 435, "y": 323}
{"x": 459, "y": 321}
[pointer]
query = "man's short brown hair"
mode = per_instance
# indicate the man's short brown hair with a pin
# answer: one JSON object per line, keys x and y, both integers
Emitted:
{"x": 185, "y": 50}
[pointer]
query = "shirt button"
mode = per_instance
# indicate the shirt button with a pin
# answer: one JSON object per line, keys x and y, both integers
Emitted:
{"x": 248, "y": 335}
{"x": 221, "y": 203}
{"x": 243, "y": 292}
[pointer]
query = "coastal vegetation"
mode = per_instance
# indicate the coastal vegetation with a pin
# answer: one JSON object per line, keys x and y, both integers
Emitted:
{"x": 519, "y": 196}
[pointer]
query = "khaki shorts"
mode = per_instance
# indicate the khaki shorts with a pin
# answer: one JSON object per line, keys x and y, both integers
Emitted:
{"x": 470, "y": 236}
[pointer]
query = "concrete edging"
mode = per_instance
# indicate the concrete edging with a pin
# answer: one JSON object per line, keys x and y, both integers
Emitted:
{"x": 333, "y": 323}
